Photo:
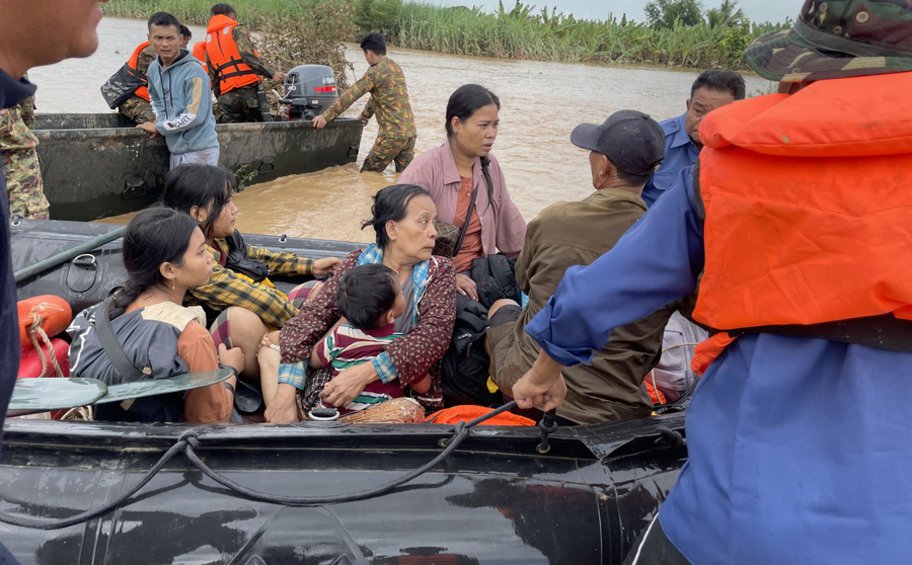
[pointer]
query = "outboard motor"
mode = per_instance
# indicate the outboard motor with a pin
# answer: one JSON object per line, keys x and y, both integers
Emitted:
{"x": 309, "y": 90}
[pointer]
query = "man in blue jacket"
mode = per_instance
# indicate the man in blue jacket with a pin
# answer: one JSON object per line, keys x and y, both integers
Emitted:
{"x": 712, "y": 89}
{"x": 181, "y": 97}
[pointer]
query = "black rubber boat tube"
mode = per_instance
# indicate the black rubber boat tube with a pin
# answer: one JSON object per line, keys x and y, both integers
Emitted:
{"x": 187, "y": 445}
{"x": 64, "y": 256}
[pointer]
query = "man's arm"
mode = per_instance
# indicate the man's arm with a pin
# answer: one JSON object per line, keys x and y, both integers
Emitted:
{"x": 190, "y": 117}
{"x": 364, "y": 85}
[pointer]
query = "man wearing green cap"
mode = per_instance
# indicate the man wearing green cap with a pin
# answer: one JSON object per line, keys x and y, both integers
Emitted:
{"x": 797, "y": 213}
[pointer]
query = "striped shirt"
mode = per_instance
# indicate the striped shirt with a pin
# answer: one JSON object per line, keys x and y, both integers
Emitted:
{"x": 347, "y": 346}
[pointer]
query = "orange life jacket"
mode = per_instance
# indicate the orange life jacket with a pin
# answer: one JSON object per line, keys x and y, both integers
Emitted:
{"x": 199, "y": 51}
{"x": 132, "y": 63}
{"x": 233, "y": 72}
{"x": 808, "y": 205}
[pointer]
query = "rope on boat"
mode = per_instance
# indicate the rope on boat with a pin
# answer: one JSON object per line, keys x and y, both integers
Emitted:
{"x": 188, "y": 442}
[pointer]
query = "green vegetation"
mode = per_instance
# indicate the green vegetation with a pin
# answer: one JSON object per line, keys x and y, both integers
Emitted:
{"x": 312, "y": 30}
{"x": 668, "y": 13}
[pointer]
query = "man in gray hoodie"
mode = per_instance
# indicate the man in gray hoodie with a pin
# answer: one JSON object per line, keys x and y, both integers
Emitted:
{"x": 181, "y": 97}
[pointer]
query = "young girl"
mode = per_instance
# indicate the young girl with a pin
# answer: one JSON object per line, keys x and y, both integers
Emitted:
{"x": 239, "y": 291}
{"x": 165, "y": 254}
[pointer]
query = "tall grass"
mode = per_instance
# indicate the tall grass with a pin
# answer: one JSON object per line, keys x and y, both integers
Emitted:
{"x": 196, "y": 12}
{"x": 522, "y": 34}
{"x": 519, "y": 33}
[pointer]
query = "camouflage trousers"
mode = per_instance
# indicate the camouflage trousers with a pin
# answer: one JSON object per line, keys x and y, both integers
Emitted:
{"x": 239, "y": 105}
{"x": 24, "y": 185}
{"x": 386, "y": 151}
{"x": 137, "y": 110}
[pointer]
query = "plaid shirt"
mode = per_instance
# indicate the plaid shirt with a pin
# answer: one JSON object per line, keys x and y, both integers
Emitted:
{"x": 228, "y": 288}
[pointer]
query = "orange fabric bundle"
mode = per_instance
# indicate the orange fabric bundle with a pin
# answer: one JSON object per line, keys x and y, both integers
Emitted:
{"x": 467, "y": 412}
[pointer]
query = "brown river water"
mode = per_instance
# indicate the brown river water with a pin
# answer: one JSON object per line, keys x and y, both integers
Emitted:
{"x": 540, "y": 105}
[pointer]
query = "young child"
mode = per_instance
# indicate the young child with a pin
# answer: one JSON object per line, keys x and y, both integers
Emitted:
{"x": 370, "y": 299}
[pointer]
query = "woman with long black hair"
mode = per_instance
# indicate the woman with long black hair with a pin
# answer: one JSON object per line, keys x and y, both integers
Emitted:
{"x": 165, "y": 254}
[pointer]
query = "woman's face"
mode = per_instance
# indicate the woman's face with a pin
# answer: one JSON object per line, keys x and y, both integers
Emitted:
{"x": 413, "y": 236}
{"x": 224, "y": 224}
{"x": 475, "y": 135}
{"x": 197, "y": 262}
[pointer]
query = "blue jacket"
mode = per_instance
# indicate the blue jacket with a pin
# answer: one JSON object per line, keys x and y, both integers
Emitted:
{"x": 182, "y": 102}
{"x": 680, "y": 153}
{"x": 799, "y": 448}
{"x": 11, "y": 92}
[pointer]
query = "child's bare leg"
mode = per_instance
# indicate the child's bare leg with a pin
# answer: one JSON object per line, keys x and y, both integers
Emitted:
{"x": 269, "y": 358}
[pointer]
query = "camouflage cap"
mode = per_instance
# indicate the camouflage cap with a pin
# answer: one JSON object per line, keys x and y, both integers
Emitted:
{"x": 837, "y": 39}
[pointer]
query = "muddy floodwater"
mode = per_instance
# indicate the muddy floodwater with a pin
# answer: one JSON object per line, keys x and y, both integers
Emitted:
{"x": 540, "y": 105}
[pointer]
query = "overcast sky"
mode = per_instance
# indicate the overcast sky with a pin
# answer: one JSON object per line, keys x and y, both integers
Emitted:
{"x": 756, "y": 10}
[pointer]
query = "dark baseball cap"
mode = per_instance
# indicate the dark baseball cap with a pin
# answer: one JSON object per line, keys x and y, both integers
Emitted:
{"x": 633, "y": 141}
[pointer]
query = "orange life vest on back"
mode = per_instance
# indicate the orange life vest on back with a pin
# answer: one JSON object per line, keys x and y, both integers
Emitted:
{"x": 232, "y": 71}
{"x": 132, "y": 63}
{"x": 199, "y": 51}
{"x": 808, "y": 202}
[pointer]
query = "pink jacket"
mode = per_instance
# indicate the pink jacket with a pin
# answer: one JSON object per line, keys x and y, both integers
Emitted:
{"x": 502, "y": 226}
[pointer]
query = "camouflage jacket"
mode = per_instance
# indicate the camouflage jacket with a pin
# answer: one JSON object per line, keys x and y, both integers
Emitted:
{"x": 146, "y": 56}
{"x": 14, "y": 128}
{"x": 389, "y": 100}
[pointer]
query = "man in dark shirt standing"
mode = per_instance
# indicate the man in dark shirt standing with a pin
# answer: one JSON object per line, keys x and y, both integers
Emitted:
{"x": 32, "y": 33}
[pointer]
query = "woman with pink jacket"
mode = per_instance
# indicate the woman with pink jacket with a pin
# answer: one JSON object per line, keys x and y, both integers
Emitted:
{"x": 455, "y": 170}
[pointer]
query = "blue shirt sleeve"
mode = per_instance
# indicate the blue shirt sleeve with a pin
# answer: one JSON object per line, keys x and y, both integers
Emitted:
{"x": 656, "y": 262}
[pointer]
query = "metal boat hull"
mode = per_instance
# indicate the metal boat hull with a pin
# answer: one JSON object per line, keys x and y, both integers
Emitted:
{"x": 100, "y": 165}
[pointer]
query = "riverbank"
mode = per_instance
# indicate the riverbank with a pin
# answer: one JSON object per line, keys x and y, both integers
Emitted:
{"x": 518, "y": 33}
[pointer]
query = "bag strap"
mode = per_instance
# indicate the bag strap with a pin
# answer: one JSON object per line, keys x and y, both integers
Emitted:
{"x": 112, "y": 347}
{"x": 465, "y": 225}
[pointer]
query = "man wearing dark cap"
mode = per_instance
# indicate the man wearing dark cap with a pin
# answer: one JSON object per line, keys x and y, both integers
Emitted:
{"x": 623, "y": 151}
{"x": 798, "y": 215}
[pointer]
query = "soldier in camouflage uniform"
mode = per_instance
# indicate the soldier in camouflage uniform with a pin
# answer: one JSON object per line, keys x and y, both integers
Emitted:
{"x": 136, "y": 108}
{"x": 236, "y": 104}
{"x": 389, "y": 100}
{"x": 20, "y": 162}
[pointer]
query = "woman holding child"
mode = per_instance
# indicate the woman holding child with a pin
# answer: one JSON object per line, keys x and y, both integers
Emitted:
{"x": 463, "y": 166}
{"x": 403, "y": 220}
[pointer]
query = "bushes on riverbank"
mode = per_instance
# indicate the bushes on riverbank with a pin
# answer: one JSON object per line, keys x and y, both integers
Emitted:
{"x": 311, "y": 30}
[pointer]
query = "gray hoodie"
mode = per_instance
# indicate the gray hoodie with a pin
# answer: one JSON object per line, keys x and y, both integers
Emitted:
{"x": 182, "y": 102}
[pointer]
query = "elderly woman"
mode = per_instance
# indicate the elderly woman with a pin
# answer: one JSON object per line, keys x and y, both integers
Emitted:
{"x": 403, "y": 219}
{"x": 453, "y": 172}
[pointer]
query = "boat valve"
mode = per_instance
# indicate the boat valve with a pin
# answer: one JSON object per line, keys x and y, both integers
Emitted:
{"x": 548, "y": 426}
